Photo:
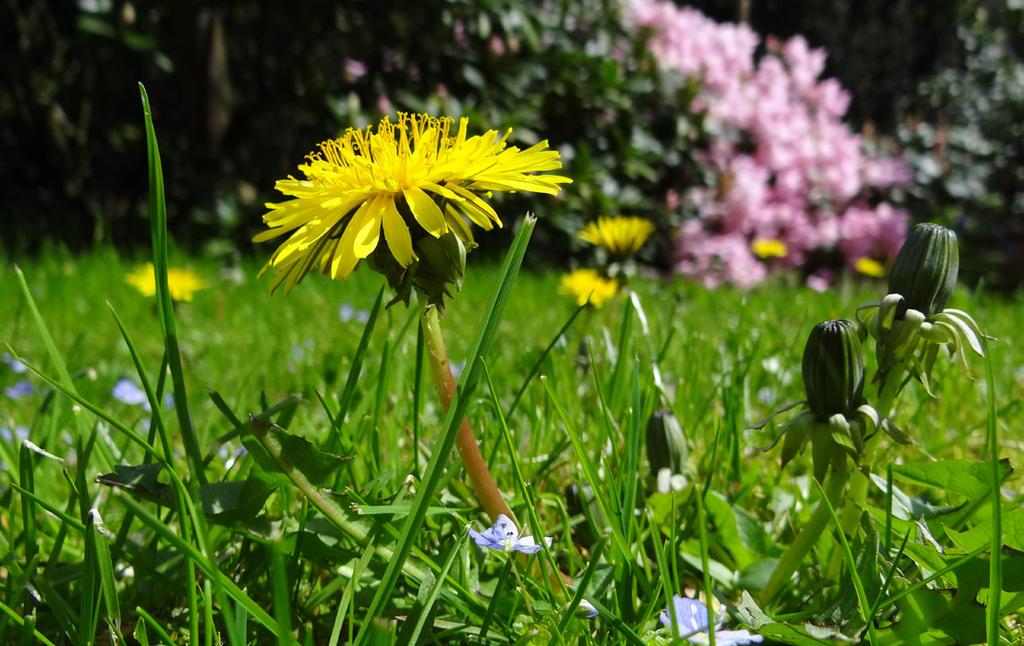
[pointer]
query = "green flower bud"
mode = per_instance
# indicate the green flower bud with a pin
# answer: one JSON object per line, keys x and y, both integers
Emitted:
{"x": 925, "y": 269}
{"x": 437, "y": 272}
{"x": 666, "y": 443}
{"x": 833, "y": 369}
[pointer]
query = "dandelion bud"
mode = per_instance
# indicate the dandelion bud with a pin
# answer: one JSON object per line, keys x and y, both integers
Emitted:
{"x": 833, "y": 369}
{"x": 925, "y": 269}
{"x": 666, "y": 443}
{"x": 441, "y": 267}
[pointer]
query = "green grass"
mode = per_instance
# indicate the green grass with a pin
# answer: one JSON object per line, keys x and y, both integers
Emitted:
{"x": 726, "y": 359}
{"x": 310, "y": 495}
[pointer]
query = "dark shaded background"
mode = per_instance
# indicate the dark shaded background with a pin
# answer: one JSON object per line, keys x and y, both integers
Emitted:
{"x": 242, "y": 90}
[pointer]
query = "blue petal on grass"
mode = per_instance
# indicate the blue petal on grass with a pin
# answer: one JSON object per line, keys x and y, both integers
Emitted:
{"x": 19, "y": 432}
{"x": 691, "y": 623}
{"x": 347, "y": 312}
{"x": 504, "y": 537}
{"x": 23, "y": 388}
{"x": 16, "y": 366}
{"x": 128, "y": 392}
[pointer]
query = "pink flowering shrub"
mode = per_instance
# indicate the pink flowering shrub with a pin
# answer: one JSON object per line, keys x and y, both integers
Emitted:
{"x": 780, "y": 165}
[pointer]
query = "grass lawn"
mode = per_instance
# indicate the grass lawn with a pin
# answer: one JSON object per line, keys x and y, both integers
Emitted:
{"x": 265, "y": 559}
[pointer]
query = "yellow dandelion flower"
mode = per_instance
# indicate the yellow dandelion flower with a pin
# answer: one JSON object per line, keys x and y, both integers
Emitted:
{"x": 620, "y": 235}
{"x": 765, "y": 248}
{"x": 183, "y": 283}
{"x": 412, "y": 178}
{"x": 869, "y": 267}
{"x": 588, "y": 285}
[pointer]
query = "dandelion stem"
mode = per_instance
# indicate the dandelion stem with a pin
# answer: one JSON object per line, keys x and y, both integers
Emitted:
{"x": 487, "y": 491}
{"x": 890, "y": 384}
{"x": 806, "y": 539}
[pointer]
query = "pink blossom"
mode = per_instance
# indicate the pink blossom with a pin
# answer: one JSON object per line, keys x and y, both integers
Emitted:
{"x": 781, "y": 164}
{"x": 354, "y": 69}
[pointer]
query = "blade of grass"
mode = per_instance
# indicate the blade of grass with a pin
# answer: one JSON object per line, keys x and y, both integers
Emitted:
{"x": 165, "y": 308}
{"x": 105, "y": 568}
{"x": 540, "y": 361}
{"x": 352, "y": 382}
{"x": 157, "y": 419}
{"x": 457, "y": 410}
{"x": 496, "y": 597}
{"x": 705, "y": 566}
{"x": 590, "y": 473}
{"x": 282, "y": 600}
{"x": 200, "y": 560}
{"x": 435, "y": 590}
{"x": 18, "y": 619}
{"x": 346, "y": 598}
{"x": 417, "y": 400}
{"x": 521, "y": 486}
{"x": 995, "y": 572}
{"x": 157, "y": 628}
{"x": 851, "y": 563}
{"x": 932, "y": 577}
{"x": 581, "y": 588}
{"x": 88, "y": 605}
{"x": 28, "y": 516}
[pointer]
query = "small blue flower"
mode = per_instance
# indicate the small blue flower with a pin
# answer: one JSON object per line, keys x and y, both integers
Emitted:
{"x": 128, "y": 392}
{"x": 587, "y": 609}
{"x": 20, "y": 432}
{"x": 347, "y": 312}
{"x": 16, "y": 366}
{"x": 692, "y": 624}
{"x": 23, "y": 388}
{"x": 504, "y": 537}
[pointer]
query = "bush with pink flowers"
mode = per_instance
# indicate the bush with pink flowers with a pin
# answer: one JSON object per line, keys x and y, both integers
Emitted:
{"x": 779, "y": 163}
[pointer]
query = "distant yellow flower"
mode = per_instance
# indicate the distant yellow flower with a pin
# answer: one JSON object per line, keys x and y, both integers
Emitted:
{"x": 869, "y": 267}
{"x": 587, "y": 284}
{"x": 411, "y": 178}
{"x": 183, "y": 283}
{"x": 621, "y": 235}
{"x": 765, "y": 248}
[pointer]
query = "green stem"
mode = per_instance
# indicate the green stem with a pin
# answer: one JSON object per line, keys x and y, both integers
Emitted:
{"x": 487, "y": 491}
{"x": 806, "y": 538}
{"x": 323, "y": 503}
{"x": 888, "y": 389}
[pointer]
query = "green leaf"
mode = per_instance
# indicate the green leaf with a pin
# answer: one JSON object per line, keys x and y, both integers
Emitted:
{"x": 165, "y": 309}
{"x": 1012, "y": 526}
{"x": 223, "y": 502}
{"x": 295, "y": 452}
{"x": 752, "y": 615}
{"x": 906, "y": 507}
{"x": 963, "y": 477}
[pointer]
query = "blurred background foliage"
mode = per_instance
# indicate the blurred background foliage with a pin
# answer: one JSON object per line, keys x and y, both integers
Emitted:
{"x": 243, "y": 90}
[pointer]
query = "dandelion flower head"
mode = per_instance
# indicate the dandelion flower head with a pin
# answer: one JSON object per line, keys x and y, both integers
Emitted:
{"x": 765, "y": 248}
{"x": 620, "y": 235}
{"x": 183, "y": 283}
{"x": 588, "y": 285}
{"x": 411, "y": 178}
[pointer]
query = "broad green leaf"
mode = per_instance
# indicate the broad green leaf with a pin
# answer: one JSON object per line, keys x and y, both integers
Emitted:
{"x": 963, "y": 477}
{"x": 1013, "y": 532}
{"x": 295, "y": 452}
